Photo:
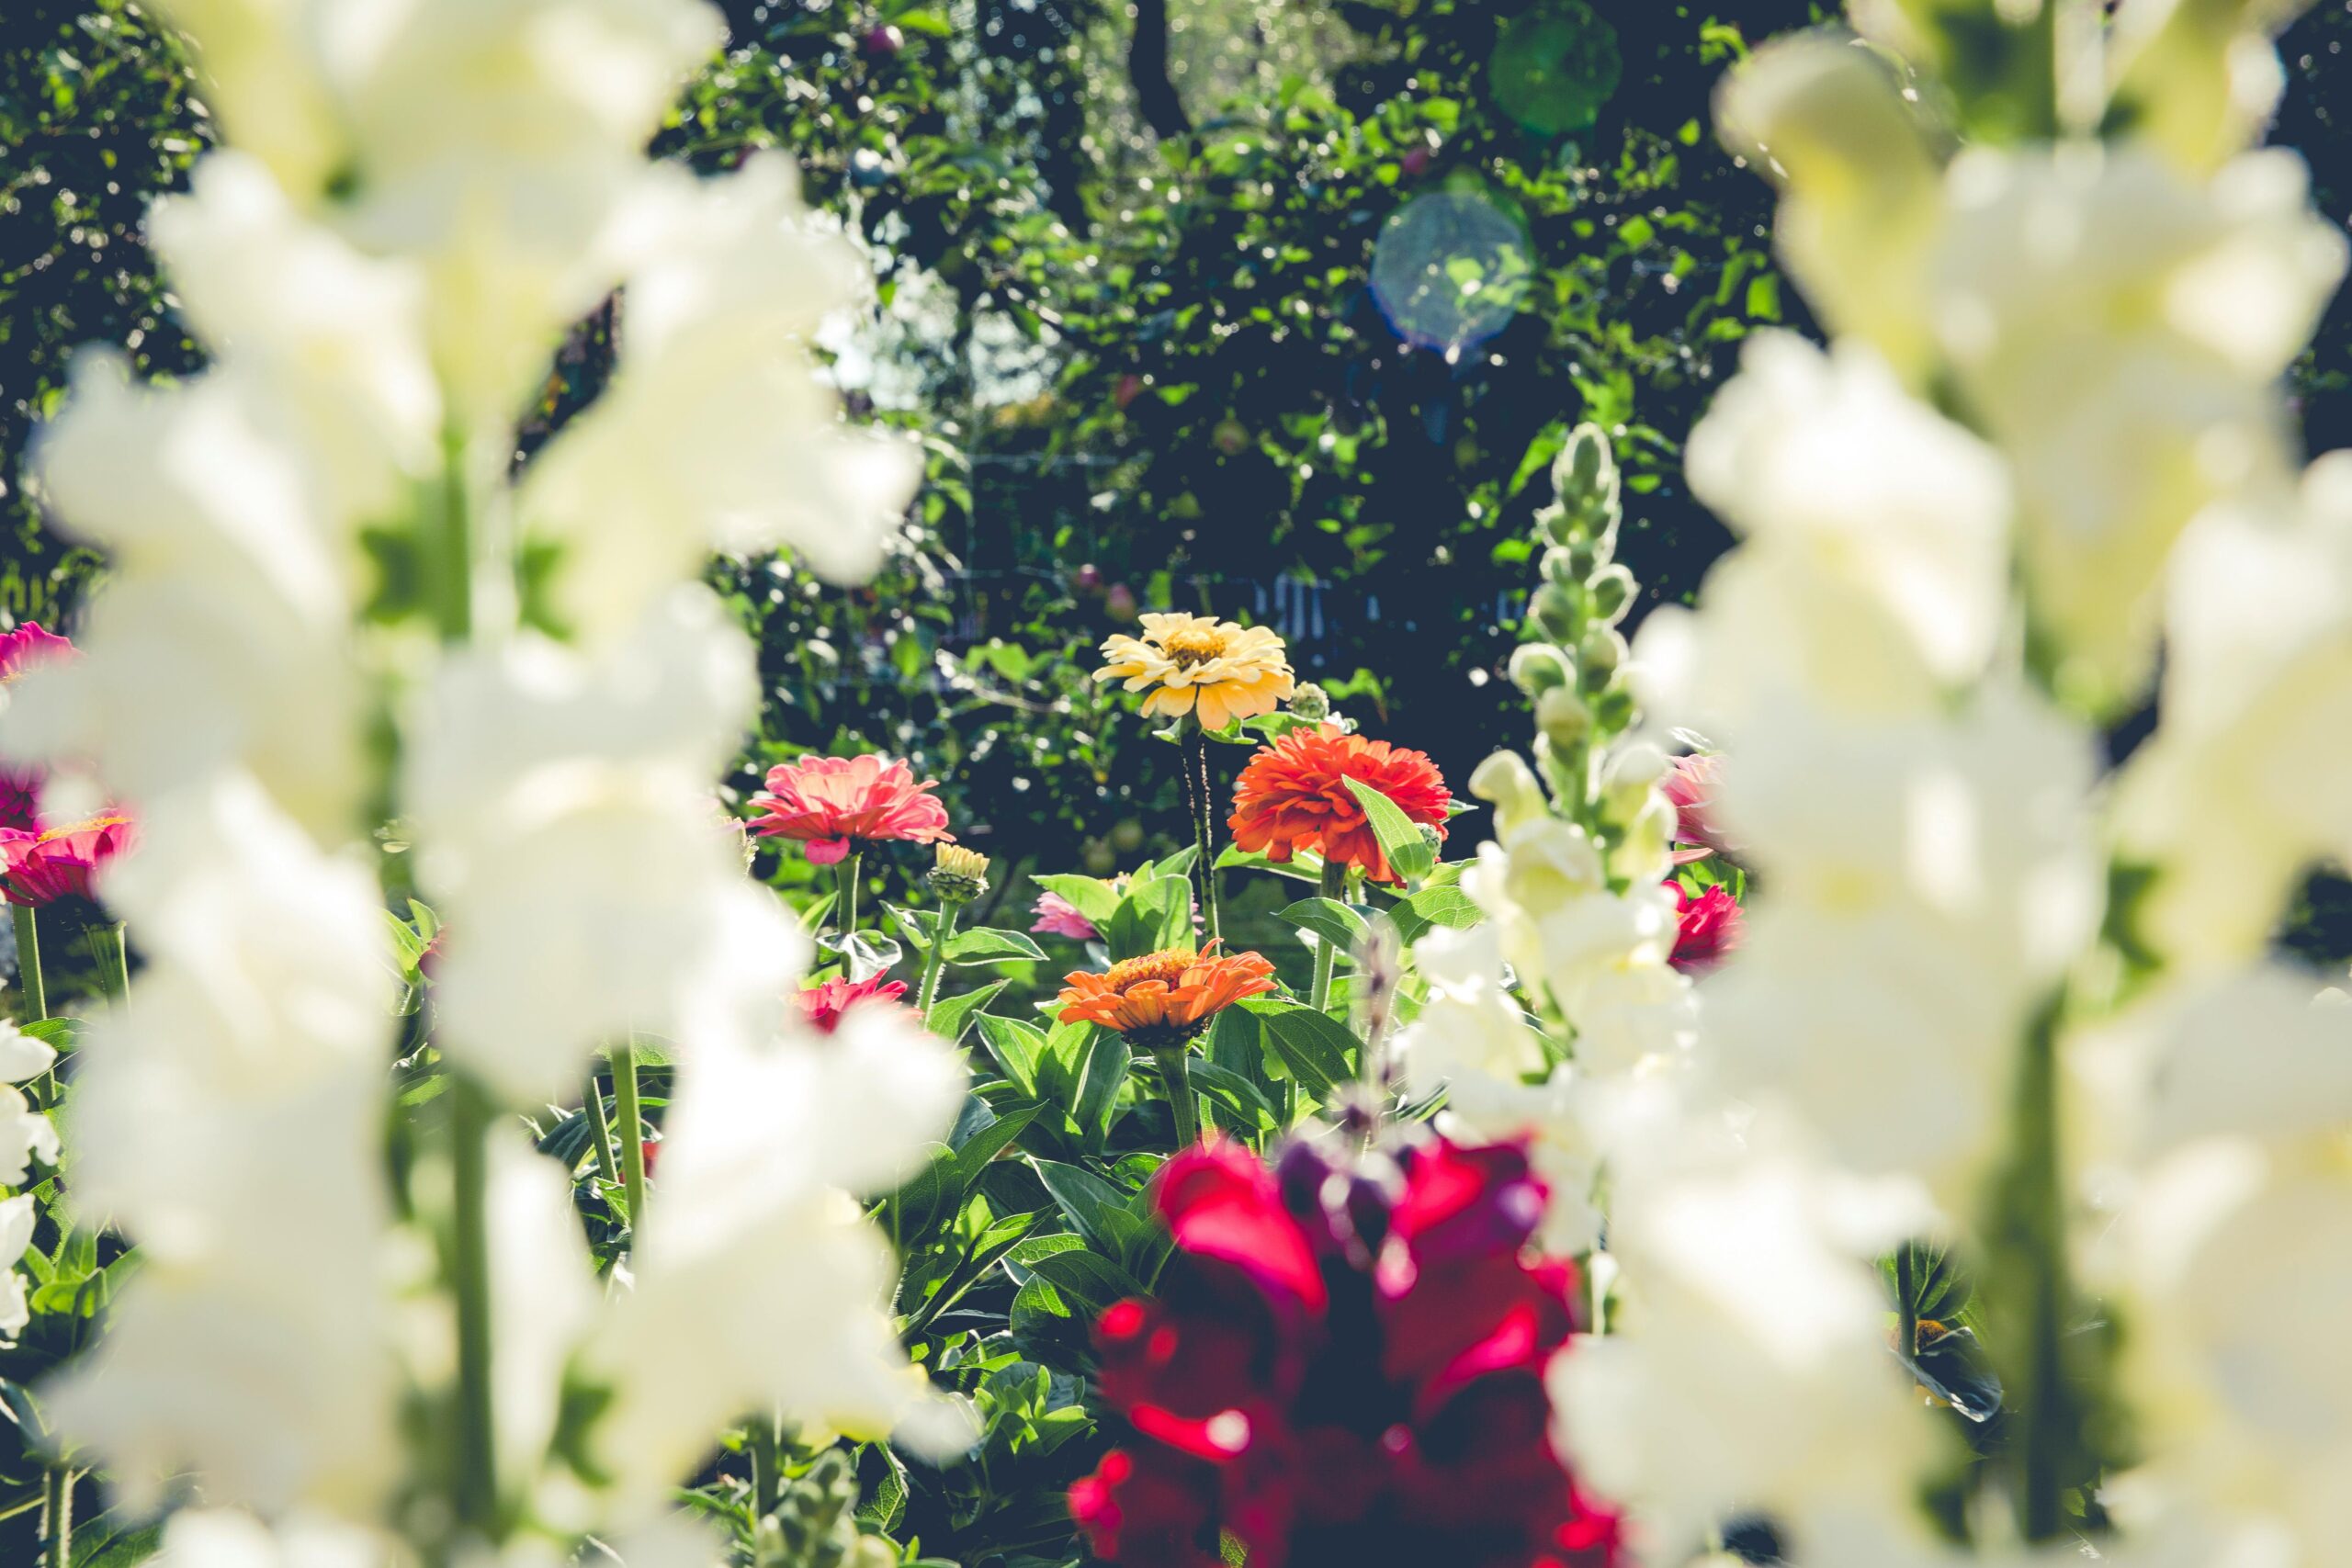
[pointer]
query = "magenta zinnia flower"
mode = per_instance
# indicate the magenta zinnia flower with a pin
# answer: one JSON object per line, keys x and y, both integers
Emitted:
{"x": 1711, "y": 926}
{"x": 38, "y": 869}
{"x": 1056, "y": 915}
{"x": 22, "y": 649}
{"x": 823, "y": 1005}
{"x": 828, "y": 803}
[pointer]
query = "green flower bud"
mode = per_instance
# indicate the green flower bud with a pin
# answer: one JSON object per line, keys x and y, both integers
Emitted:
{"x": 1585, "y": 473}
{"x": 1536, "y": 668}
{"x": 1559, "y": 612}
{"x": 1599, "y": 654}
{"x": 1612, "y": 590}
{"x": 1310, "y": 703}
{"x": 1563, "y": 717}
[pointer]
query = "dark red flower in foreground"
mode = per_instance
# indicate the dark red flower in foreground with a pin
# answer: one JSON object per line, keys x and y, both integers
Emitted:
{"x": 1713, "y": 924}
{"x": 1294, "y": 795}
{"x": 1344, "y": 1364}
{"x": 38, "y": 869}
{"x": 823, "y": 1005}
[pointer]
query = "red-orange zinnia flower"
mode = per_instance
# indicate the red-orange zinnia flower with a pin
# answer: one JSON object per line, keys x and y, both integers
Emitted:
{"x": 826, "y": 802}
{"x": 1166, "y": 996}
{"x": 1294, "y": 795}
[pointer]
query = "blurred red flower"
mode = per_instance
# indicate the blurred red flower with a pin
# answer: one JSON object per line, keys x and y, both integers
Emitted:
{"x": 1294, "y": 795}
{"x": 1713, "y": 925}
{"x": 40, "y": 868}
{"x": 828, "y": 801}
{"x": 1344, "y": 1364}
{"x": 22, "y": 649}
{"x": 823, "y": 1005}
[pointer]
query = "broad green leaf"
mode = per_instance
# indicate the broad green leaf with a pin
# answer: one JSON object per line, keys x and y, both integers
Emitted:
{"x": 1304, "y": 868}
{"x": 1095, "y": 1208}
{"x": 1228, "y": 1088}
{"x": 1097, "y": 1096}
{"x": 1317, "y": 1049}
{"x": 1016, "y": 1047}
{"x": 950, "y": 1016}
{"x": 1330, "y": 920}
{"x": 987, "y": 944}
{"x": 1155, "y": 915}
{"x": 1087, "y": 1280}
{"x": 1090, "y": 896}
{"x": 1408, "y": 855}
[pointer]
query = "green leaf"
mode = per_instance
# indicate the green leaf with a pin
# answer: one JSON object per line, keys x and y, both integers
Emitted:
{"x": 987, "y": 944}
{"x": 1305, "y": 868}
{"x": 950, "y": 1016}
{"x": 1091, "y": 897}
{"x": 1408, "y": 855}
{"x": 1152, "y": 916}
{"x": 1092, "y": 1282}
{"x": 1098, "y": 1095}
{"x": 1248, "y": 1101}
{"x": 1332, "y": 921}
{"x": 1016, "y": 1047}
{"x": 1448, "y": 907}
{"x": 60, "y": 1034}
{"x": 1095, "y": 1208}
{"x": 1315, "y": 1048}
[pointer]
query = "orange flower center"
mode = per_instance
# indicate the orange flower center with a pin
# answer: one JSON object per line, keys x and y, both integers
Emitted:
{"x": 1164, "y": 966}
{"x": 1194, "y": 645}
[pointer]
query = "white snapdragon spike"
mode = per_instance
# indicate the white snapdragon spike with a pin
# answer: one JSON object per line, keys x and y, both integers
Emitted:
{"x": 497, "y": 143}
{"x": 25, "y": 1133}
{"x": 221, "y": 643}
{"x": 758, "y": 1283}
{"x": 2199, "y": 78}
{"x": 543, "y": 1296}
{"x": 1749, "y": 1371}
{"x": 226, "y": 1538}
{"x": 565, "y": 834}
{"x": 2242, "y": 786}
{"x": 715, "y": 433}
{"x": 236, "y": 1101}
{"x": 1500, "y": 1083}
{"x": 17, "y": 1218}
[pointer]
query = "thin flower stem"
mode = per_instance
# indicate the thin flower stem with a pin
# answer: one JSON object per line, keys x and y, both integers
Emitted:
{"x": 57, "y": 1517}
{"x": 1906, "y": 1302}
{"x": 1176, "y": 1072}
{"x": 845, "y": 901}
{"x": 1203, "y": 825}
{"x": 474, "y": 1483}
{"x": 120, "y": 954}
{"x": 627, "y": 1108}
{"x": 1334, "y": 886}
{"x": 936, "y": 961}
{"x": 2032, "y": 1295}
{"x": 764, "y": 1467}
{"x": 29, "y": 962}
{"x": 601, "y": 1126}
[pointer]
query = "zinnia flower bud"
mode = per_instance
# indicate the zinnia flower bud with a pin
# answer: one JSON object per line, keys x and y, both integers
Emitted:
{"x": 1310, "y": 703}
{"x": 959, "y": 875}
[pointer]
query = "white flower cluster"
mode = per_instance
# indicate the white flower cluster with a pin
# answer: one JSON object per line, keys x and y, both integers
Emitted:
{"x": 2044, "y": 444}
{"x": 416, "y": 200}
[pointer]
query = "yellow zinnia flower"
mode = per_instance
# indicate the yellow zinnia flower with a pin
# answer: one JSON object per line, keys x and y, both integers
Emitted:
{"x": 1226, "y": 670}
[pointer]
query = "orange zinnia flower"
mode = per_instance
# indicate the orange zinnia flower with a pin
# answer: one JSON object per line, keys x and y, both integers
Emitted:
{"x": 1294, "y": 795}
{"x": 1165, "y": 997}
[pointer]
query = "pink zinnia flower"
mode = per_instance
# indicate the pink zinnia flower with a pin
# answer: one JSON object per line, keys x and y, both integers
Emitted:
{"x": 823, "y": 1005}
{"x": 1711, "y": 926}
{"x": 38, "y": 869}
{"x": 828, "y": 801}
{"x": 1056, "y": 915}
{"x": 1691, "y": 786}
{"x": 28, "y": 646}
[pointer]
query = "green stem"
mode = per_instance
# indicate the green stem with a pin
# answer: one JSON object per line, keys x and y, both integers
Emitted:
{"x": 845, "y": 901}
{"x": 116, "y": 956}
{"x": 57, "y": 1517}
{"x": 1176, "y": 1071}
{"x": 2031, "y": 1289}
{"x": 1334, "y": 887}
{"x": 764, "y": 1467}
{"x": 29, "y": 962}
{"x": 449, "y": 551}
{"x": 474, "y": 1486}
{"x": 1204, "y": 826}
{"x": 602, "y": 1127}
{"x": 632, "y": 1120}
{"x": 1906, "y": 1303}
{"x": 936, "y": 961}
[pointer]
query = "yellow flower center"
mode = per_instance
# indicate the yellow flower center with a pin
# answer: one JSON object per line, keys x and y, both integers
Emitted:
{"x": 1165, "y": 965}
{"x": 1194, "y": 645}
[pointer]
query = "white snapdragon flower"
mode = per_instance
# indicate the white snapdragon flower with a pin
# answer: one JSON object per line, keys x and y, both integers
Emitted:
{"x": 758, "y": 1282}
{"x": 226, "y": 1537}
{"x": 1824, "y": 455}
{"x": 25, "y": 1133}
{"x": 563, "y": 816}
{"x": 2244, "y": 785}
{"x": 18, "y": 1216}
{"x": 1750, "y": 1371}
{"x": 715, "y": 433}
